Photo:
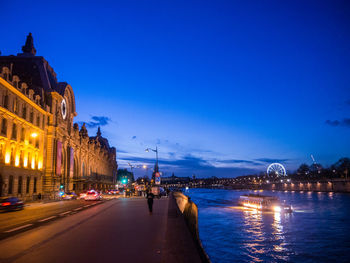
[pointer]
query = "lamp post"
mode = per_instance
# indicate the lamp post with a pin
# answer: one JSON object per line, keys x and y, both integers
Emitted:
{"x": 131, "y": 167}
{"x": 156, "y": 151}
{"x": 156, "y": 168}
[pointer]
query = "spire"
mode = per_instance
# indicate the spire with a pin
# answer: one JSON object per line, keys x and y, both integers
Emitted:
{"x": 98, "y": 132}
{"x": 28, "y": 48}
{"x": 83, "y": 131}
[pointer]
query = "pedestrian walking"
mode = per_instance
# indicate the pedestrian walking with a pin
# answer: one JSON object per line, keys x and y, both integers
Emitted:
{"x": 150, "y": 197}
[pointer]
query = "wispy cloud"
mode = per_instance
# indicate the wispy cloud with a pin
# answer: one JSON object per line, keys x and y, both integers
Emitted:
{"x": 237, "y": 161}
{"x": 97, "y": 121}
{"x": 271, "y": 160}
{"x": 189, "y": 164}
{"x": 335, "y": 123}
{"x": 121, "y": 151}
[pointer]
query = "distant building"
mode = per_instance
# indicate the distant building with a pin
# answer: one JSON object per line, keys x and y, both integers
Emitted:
{"x": 175, "y": 180}
{"x": 41, "y": 151}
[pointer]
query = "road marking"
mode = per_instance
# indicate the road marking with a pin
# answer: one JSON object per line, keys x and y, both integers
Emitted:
{"x": 77, "y": 209}
{"x": 62, "y": 214}
{"x": 46, "y": 219}
{"x": 17, "y": 228}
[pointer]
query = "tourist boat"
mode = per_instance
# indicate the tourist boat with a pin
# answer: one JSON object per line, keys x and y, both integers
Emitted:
{"x": 263, "y": 203}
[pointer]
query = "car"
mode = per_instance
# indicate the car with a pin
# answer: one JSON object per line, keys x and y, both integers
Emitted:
{"x": 82, "y": 195}
{"x": 113, "y": 192}
{"x": 69, "y": 196}
{"x": 92, "y": 196}
{"x": 11, "y": 204}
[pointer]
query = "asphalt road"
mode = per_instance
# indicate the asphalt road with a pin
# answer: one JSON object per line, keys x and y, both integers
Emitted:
{"x": 38, "y": 213}
{"x": 120, "y": 230}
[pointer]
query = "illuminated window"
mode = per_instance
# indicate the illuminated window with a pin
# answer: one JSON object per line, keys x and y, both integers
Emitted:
{"x": 13, "y": 157}
{"x": 21, "y": 155}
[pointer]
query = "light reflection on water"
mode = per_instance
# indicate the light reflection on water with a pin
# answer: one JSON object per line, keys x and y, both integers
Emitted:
{"x": 315, "y": 232}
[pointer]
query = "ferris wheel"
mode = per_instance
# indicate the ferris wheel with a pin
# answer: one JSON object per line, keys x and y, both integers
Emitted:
{"x": 276, "y": 169}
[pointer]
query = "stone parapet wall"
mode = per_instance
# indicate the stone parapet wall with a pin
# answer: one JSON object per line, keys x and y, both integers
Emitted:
{"x": 190, "y": 211}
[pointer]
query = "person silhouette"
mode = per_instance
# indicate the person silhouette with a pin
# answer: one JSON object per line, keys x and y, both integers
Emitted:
{"x": 150, "y": 197}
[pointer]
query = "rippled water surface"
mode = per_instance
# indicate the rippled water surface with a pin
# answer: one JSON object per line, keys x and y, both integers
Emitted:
{"x": 317, "y": 231}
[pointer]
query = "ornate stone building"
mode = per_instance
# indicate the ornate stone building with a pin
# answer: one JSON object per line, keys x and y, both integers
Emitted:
{"x": 41, "y": 151}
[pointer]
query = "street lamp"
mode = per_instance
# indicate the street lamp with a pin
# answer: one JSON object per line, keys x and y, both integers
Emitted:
{"x": 156, "y": 151}
{"x": 155, "y": 175}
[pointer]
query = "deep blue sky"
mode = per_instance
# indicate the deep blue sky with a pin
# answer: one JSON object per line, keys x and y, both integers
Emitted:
{"x": 221, "y": 87}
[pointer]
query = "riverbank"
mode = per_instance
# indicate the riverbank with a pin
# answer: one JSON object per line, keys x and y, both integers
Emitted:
{"x": 324, "y": 185}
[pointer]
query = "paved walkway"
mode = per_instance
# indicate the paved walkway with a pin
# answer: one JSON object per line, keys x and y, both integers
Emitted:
{"x": 120, "y": 230}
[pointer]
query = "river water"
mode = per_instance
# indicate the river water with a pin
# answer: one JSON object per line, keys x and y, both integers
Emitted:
{"x": 317, "y": 231}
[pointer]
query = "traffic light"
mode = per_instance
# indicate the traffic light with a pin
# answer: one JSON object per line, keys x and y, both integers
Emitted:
{"x": 61, "y": 186}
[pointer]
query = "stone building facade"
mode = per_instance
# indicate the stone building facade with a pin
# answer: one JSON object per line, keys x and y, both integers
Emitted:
{"x": 41, "y": 151}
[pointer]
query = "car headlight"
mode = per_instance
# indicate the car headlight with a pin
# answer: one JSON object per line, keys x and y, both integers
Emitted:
{"x": 277, "y": 208}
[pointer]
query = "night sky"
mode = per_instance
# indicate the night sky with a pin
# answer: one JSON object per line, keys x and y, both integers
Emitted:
{"x": 221, "y": 87}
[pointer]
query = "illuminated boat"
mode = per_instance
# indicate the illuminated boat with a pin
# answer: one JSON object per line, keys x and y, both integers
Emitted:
{"x": 264, "y": 203}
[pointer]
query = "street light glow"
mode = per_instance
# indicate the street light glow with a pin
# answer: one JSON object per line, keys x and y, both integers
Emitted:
{"x": 34, "y": 135}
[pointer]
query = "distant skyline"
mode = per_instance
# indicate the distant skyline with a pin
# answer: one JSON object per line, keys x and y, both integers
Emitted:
{"x": 223, "y": 88}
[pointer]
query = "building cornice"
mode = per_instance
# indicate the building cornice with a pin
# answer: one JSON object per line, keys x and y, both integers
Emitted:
{"x": 22, "y": 96}
{"x": 20, "y": 119}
